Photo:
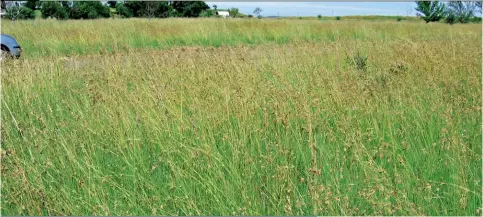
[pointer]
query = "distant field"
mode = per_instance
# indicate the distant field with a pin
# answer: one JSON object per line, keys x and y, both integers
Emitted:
{"x": 242, "y": 117}
{"x": 54, "y": 38}
{"x": 361, "y": 18}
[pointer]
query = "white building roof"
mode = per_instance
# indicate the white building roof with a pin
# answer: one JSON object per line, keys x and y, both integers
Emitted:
{"x": 223, "y": 13}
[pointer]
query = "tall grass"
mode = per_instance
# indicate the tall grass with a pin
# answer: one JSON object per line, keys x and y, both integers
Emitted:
{"x": 52, "y": 38}
{"x": 274, "y": 129}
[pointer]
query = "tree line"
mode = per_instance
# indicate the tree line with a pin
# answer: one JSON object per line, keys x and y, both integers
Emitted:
{"x": 451, "y": 12}
{"x": 62, "y": 10}
{"x": 430, "y": 11}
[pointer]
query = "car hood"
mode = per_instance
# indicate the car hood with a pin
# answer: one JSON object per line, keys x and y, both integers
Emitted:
{"x": 7, "y": 39}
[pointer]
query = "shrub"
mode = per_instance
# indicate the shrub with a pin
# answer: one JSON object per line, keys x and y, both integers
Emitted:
{"x": 359, "y": 61}
{"x": 206, "y": 13}
{"x": 19, "y": 13}
{"x": 249, "y": 15}
{"x": 399, "y": 19}
{"x": 54, "y": 10}
{"x": 319, "y": 16}
{"x": 476, "y": 20}
{"x": 337, "y": 18}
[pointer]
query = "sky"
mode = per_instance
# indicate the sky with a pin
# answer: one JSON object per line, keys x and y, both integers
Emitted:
{"x": 322, "y": 8}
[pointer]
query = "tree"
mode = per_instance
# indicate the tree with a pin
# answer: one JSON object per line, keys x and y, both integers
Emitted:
{"x": 54, "y": 10}
{"x": 123, "y": 11}
{"x": 234, "y": 12}
{"x": 460, "y": 11}
{"x": 174, "y": 13}
{"x": 450, "y": 19}
{"x": 257, "y": 11}
{"x": 149, "y": 8}
{"x": 112, "y": 4}
{"x": 163, "y": 9}
{"x": 89, "y": 10}
{"x": 478, "y": 6}
{"x": 189, "y": 8}
{"x": 430, "y": 11}
{"x": 19, "y": 13}
{"x": 32, "y": 4}
{"x": 166, "y": 9}
{"x": 67, "y": 4}
{"x": 136, "y": 7}
{"x": 215, "y": 7}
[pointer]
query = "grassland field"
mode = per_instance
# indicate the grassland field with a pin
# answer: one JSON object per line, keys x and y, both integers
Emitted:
{"x": 241, "y": 117}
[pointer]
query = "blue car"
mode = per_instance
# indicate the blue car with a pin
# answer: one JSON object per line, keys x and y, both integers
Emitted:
{"x": 10, "y": 47}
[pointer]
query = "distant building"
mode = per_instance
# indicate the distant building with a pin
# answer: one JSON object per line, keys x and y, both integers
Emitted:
{"x": 223, "y": 14}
